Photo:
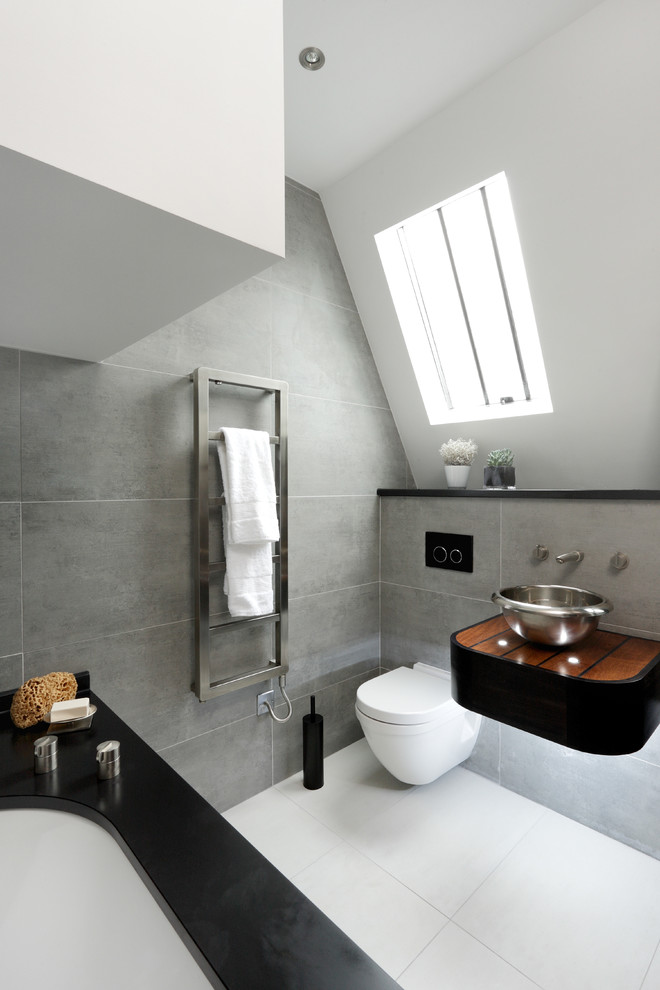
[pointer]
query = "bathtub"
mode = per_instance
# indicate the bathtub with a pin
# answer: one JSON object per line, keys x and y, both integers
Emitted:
{"x": 138, "y": 882}
{"x": 74, "y": 911}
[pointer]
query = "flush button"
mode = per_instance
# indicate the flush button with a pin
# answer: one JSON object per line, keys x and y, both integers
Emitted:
{"x": 451, "y": 551}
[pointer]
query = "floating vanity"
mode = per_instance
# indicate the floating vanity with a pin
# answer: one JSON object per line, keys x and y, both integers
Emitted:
{"x": 598, "y": 696}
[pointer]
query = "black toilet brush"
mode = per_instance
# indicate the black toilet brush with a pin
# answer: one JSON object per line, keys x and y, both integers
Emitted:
{"x": 313, "y": 748}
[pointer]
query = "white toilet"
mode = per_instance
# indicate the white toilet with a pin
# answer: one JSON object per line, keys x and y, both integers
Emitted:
{"x": 413, "y": 725}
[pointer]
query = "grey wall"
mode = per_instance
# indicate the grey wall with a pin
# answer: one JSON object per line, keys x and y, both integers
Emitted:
{"x": 96, "y": 562}
{"x": 421, "y": 607}
{"x": 96, "y": 499}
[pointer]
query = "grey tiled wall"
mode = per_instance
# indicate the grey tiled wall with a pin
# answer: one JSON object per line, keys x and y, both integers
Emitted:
{"x": 96, "y": 567}
{"x": 421, "y": 606}
{"x": 96, "y": 507}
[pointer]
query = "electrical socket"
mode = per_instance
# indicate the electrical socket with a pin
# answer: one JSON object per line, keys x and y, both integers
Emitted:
{"x": 450, "y": 551}
{"x": 268, "y": 696}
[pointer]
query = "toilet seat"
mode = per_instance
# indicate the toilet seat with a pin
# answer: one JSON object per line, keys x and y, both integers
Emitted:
{"x": 408, "y": 697}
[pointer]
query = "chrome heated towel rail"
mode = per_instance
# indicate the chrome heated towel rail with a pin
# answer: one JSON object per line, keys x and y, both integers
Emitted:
{"x": 208, "y": 512}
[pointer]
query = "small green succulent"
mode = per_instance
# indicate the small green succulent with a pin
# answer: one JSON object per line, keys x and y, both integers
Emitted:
{"x": 500, "y": 458}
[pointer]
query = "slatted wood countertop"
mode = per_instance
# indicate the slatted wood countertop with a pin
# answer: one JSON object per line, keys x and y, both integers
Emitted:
{"x": 604, "y": 656}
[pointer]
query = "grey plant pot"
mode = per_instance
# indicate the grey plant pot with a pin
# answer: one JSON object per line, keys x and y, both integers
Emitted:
{"x": 502, "y": 476}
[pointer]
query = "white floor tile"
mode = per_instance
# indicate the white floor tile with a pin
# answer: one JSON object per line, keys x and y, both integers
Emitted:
{"x": 536, "y": 899}
{"x": 382, "y": 916}
{"x": 652, "y": 980}
{"x": 357, "y": 789}
{"x": 570, "y": 908}
{"x": 356, "y": 763}
{"x": 444, "y": 839}
{"x": 285, "y": 834}
{"x": 456, "y": 961}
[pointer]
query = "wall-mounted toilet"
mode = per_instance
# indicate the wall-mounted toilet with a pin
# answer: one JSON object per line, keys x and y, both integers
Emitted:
{"x": 413, "y": 725}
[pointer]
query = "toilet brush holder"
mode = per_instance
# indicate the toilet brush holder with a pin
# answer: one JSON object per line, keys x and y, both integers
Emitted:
{"x": 313, "y": 748}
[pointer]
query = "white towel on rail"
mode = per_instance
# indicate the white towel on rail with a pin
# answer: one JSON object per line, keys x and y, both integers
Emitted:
{"x": 249, "y": 485}
{"x": 248, "y": 581}
{"x": 249, "y": 520}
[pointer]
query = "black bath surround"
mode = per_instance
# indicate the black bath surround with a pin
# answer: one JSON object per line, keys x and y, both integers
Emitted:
{"x": 247, "y": 926}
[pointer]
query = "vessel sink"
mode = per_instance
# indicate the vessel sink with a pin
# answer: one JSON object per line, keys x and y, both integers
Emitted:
{"x": 551, "y": 613}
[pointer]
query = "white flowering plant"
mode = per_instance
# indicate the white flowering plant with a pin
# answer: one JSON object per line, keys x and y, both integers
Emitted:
{"x": 459, "y": 451}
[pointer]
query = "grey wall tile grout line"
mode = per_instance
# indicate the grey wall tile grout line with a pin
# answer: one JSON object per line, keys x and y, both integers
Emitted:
{"x": 306, "y": 295}
{"x": 338, "y": 402}
{"x": 20, "y": 517}
{"x": 95, "y": 501}
{"x": 332, "y": 591}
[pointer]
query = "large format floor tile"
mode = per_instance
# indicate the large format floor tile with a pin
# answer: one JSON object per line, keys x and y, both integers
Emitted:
{"x": 357, "y": 789}
{"x": 652, "y": 978}
{"x": 390, "y": 922}
{"x": 461, "y": 884}
{"x": 571, "y": 908}
{"x": 439, "y": 842}
{"x": 285, "y": 834}
{"x": 456, "y": 961}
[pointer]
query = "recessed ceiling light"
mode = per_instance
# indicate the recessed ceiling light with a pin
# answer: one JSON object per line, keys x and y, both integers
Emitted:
{"x": 311, "y": 58}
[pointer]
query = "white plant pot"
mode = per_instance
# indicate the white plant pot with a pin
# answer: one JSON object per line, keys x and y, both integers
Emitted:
{"x": 457, "y": 475}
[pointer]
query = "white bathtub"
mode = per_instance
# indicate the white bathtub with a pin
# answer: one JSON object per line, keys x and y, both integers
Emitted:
{"x": 74, "y": 912}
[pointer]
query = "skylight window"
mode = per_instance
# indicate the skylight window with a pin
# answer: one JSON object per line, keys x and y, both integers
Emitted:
{"x": 458, "y": 284}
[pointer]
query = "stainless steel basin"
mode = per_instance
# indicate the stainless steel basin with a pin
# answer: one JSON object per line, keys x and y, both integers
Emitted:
{"x": 551, "y": 613}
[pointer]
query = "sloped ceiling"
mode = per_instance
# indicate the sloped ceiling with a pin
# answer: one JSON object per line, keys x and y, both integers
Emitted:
{"x": 390, "y": 65}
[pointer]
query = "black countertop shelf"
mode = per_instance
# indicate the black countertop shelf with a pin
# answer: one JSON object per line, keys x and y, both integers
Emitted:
{"x": 247, "y": 926}
{"x": 621, "y": 495}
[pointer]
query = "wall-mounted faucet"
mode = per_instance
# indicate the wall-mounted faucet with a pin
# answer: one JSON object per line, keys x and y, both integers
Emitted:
{"x": 572, "y": 557}
{"x": 619, "y": 561}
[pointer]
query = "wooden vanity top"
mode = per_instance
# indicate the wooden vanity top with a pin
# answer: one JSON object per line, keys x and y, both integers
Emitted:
{"x": 599, "y": 696}
{"x": 604, "y": 656}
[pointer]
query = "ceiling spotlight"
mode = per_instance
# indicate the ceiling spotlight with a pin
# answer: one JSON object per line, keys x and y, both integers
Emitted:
{"x": 311, "y": 58}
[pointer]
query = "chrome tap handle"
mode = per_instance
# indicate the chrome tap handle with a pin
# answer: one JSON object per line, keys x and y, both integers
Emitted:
{"x": 107, "y": 757}
{"x": 45, "y": 754}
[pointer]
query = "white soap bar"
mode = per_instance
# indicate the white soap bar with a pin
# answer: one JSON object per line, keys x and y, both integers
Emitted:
{"x": 64, "y": 711}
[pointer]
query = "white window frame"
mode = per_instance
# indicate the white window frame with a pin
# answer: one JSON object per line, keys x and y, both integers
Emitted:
{"x": 458, "y": 377}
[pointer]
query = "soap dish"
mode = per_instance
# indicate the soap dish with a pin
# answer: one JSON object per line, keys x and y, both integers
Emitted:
{"x": 72, "y": 724}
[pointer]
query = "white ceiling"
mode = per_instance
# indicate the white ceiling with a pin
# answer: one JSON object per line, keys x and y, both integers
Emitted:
{"x": 391, "y": 64}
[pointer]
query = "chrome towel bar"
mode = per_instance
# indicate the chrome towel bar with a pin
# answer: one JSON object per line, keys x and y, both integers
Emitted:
{"x": 206, "y": 685}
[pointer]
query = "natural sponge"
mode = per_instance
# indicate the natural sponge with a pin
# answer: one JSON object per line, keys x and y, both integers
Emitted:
{"x": 62, "y": 685}
{"x": 36, "y": 697}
